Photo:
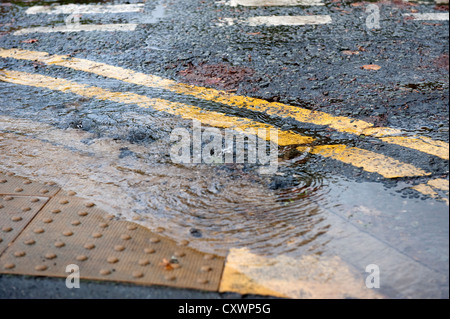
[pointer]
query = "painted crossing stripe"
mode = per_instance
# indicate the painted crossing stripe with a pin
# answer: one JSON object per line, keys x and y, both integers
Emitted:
{"x": 276, "y": 20}
{"x": 79, "y": 28}
{"x": 86, "y": 8}
{"x": 185, "y": 111}
{"x": 282, "y": 20}
{"x": 428, "y": 16}
{"x": 372, "y": 162}
{"x": 273, "y": 3}
{"x": 339, "y": 123}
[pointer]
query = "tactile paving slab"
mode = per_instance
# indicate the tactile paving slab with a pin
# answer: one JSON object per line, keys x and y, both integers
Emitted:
{"x": 69, "y": 230}
{"x": 17, "y": 186}
{"x": 15, "y": 214}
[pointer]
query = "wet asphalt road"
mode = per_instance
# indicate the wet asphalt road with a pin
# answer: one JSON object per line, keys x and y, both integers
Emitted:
{"x": 305, "y": 66}
{"x": 317, "y": 67}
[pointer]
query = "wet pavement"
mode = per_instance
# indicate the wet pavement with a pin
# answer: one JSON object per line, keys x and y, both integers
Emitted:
{"x": 333, "y": 214}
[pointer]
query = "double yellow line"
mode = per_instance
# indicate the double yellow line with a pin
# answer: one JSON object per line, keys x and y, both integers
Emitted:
{"x": 367, "y": 160}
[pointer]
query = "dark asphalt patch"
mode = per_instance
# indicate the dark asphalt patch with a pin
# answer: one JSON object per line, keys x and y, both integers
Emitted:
{"x": 220, "y": 76}
{"x": 442, "y": 61}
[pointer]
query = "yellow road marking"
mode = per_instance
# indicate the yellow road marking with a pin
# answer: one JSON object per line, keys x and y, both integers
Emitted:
{"x": 185, "y": 111}
{"x": 439, "y": 183}
{"x": 429, "y": 191}
{"x": 304, "y": 115}
{"x": 368, "y": 161}
{"x": 423, "y": 144}
{"x": 430, "y": 186}
{"x": 425, "y": 189}
{"x": 339, "y": 123}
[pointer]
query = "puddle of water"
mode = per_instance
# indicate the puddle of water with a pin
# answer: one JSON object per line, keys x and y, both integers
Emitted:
{"x": 411, "y": 225}
{"x": 223, "y": 208}
{"x": 305, "y": 277}
{"x": 215, "y": 207}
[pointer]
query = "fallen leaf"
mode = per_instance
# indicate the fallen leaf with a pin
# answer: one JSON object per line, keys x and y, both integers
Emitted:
{"x": 349, "y": 52}
{"x": 403, "y": 4}
{"x": 373, "y": 67}
{"x": 441, "y": 8}
{"x": 432, "y": 24}
{"x": 30, "y": 41}
{"x": 166, "y": 264}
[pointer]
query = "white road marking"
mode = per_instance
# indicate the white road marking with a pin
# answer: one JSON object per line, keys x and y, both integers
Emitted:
{"x": 288, "y": 20}
{"x": 428, "y": 2}
{"x": 273, "y": 3}
{"x": 79, "y": 28}
{"x": 278, "y": 20}
{"x": 428, "y": 16}
{"x": 86, "y": 8}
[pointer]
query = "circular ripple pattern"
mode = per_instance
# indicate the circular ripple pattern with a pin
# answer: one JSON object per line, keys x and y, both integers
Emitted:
{"x": 228, "y": 214}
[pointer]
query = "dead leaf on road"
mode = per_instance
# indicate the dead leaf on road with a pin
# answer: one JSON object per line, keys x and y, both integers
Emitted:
{"x": 432, "y": 24}
{"x": 373, "y": 67}
{"x": 349, "y": 52}
{"x": 168, "y": 265}
{"x": 30, "y": 41}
